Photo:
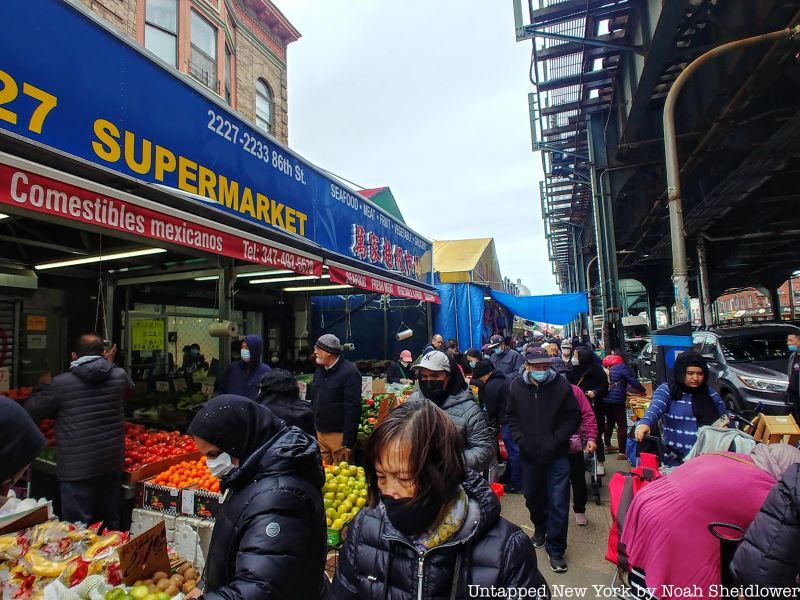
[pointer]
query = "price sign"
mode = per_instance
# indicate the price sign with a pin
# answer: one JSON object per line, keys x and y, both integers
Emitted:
{"x": 208, "y": 389}
{"x": 36, "y": 323}
{"x": 180, "y": 385}
{"x": 5, "y": 379}
{"x": 162, "y": 386}
{"x": 147, "y": 335}
{"x": 144, "y": 555}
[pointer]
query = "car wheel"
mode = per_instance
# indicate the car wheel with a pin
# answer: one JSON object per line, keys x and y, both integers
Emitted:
{"x": 731, "y": 402}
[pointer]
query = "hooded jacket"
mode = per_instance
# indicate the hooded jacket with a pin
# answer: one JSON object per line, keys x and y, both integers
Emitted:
{"x": 280, "y": 394}
{"x": 378, "y": 562}
{"x": 589, "y": 376}
{"x": 269, "y": 536}
{"x": 87, "y": 403}
{"x": 770, "y": 552}
{"x": 542, "y": 418}
{"x": 620, "y": 377}
{"x": 241, "y": 378}
{"x": 479, "y": 444}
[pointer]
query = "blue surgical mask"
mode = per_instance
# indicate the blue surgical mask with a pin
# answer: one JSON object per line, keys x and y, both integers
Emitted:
{"x": 245, "y": 355}
{"x": 539, "y": 376}
{"x": 498, "y": 350}
{"x": 792, "y": 347}
{"x": 472, "y": 364}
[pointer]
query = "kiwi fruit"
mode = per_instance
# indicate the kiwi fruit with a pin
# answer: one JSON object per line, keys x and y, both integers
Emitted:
{"x": 183, "y": 568}
{"x": 190, "y": 574}
{"x": 153, "y": 589}
{"x": 159, "y": 576}
{"x": 177, "y": 579}
{"x": 163, "y": 584}
{"x": 189, "y": 585}
{"x": 172, "y": 590}
{"x": 148, "y": 582}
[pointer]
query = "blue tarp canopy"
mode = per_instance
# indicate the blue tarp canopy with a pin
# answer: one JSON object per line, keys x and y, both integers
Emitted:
{"x": 557, "y": 309}
{"x": 460, "y": 315}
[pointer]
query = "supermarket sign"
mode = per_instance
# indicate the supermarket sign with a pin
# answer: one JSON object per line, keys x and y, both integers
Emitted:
{"x": 25, "y": 191}
{"x": 70, "y": 84}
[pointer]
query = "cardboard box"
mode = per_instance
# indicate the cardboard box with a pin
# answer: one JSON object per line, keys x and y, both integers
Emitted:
{"x": 153, "y": 469}
{"x": 199, "y": 503}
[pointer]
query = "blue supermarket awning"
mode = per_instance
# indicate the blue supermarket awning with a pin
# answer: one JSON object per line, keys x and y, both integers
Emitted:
{"x": 556, "y": 309}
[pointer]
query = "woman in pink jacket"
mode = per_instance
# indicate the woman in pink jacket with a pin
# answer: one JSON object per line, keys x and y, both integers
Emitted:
{"x": 584, "y": 438}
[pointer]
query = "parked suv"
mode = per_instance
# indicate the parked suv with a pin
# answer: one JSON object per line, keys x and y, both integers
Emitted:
{"x": 748, "y": 364}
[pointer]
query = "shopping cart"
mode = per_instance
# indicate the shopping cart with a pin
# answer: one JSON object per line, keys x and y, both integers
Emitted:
{"x": 595, "y": 478}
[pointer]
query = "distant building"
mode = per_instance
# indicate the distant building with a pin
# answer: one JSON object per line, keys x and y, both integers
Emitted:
{"x": 751, "y": 302}
{"x": 235, "y": 48}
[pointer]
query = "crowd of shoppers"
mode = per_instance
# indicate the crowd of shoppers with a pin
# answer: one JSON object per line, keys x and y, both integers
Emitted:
{"x": 432, "y": 524}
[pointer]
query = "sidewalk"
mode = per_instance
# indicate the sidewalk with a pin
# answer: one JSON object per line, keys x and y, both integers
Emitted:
{"x": 586, "y": 546}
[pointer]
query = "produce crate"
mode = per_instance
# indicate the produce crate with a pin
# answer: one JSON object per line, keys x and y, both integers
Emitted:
{"x": 160, "y": 498}
{"x": 153, "y": 469}
{"x": 200, "y": 503}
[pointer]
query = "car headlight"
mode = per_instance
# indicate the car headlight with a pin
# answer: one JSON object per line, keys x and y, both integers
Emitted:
{"x": 764, "y": 385}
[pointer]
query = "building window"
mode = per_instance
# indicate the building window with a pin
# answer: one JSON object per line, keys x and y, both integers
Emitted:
{"x": 228, "y": 74}
{"x": 263, "y": 106}
{"x": 203, "y": 59}
{"x": 161, "y": 29}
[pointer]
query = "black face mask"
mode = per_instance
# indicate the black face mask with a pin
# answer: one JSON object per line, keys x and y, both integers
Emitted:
{"x": 410, "y": 520}
{"x": 433, "y": 389}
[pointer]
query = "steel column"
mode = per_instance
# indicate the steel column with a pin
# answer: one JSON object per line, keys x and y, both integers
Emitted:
{"x": 705, "y": 295}
{"x": 677, "y": 235}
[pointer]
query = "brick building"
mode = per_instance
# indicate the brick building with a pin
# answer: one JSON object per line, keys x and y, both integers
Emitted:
{"x": 236, "y": 48}
{"x": 751, "y": 302}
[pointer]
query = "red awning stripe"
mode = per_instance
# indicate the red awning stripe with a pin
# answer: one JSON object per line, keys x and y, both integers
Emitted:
{"x": 379, "y": 285}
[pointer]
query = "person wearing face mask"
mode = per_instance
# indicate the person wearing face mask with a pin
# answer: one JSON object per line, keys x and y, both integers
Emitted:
{"x": 269, "y": 536}
{"x": 441, "y": 382}
{"x": 566, "y": 353}
{"x": 280, "y": 393}
{"x": 336, "y": 398}
{"x": 793, "y": 372}
{"x": 432, "y": 528}
{"x": 542, "y": 414}
{"x": 592, "y": 380}
{"x": 471, "y": 358}
{"x": 20, "y": 442}
{"x": 243, "y": 377}
{"x": 683, "y": 406}
{"x": 400, "y": 371}
{"x": 506, "y": 359}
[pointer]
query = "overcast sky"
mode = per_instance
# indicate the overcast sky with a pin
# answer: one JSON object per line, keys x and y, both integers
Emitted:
{"x": 429, "y": 98}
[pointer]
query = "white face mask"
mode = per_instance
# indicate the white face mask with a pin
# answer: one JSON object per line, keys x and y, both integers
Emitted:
{"x": 220, "y": 465}
{"x": 245, "y": 355}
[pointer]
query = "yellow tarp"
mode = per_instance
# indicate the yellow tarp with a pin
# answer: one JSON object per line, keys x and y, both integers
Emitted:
{"x": 456, "y": 260}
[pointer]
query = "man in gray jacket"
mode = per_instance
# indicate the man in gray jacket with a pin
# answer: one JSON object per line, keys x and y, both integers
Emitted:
{"x": 441, "y": 382}
{"x": 505, "y": 359}
{"x": 87, "y": 405}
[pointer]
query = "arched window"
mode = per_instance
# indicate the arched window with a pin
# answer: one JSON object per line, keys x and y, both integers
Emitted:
{"x": 263, "y": 106}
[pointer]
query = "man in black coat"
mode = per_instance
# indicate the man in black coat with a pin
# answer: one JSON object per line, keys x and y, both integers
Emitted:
{"x": 87, "y": 403}
{"x": 542, "y": 414}
{"x": 493, "y": 390}
{"x": 336, "y": 398}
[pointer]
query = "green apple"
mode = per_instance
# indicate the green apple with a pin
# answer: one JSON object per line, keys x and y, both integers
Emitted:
{"x": 139, "y": 592}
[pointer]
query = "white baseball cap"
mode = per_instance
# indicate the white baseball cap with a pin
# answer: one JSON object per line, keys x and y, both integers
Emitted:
{"x": 434, "y": 361}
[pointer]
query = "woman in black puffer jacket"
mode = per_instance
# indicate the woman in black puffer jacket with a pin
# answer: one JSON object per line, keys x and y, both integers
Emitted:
{"x": 279, "y": 392}
{"x": 770, "y": 553}
{"x": 269, "y": 537}
{"x": 432, "y": 529}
